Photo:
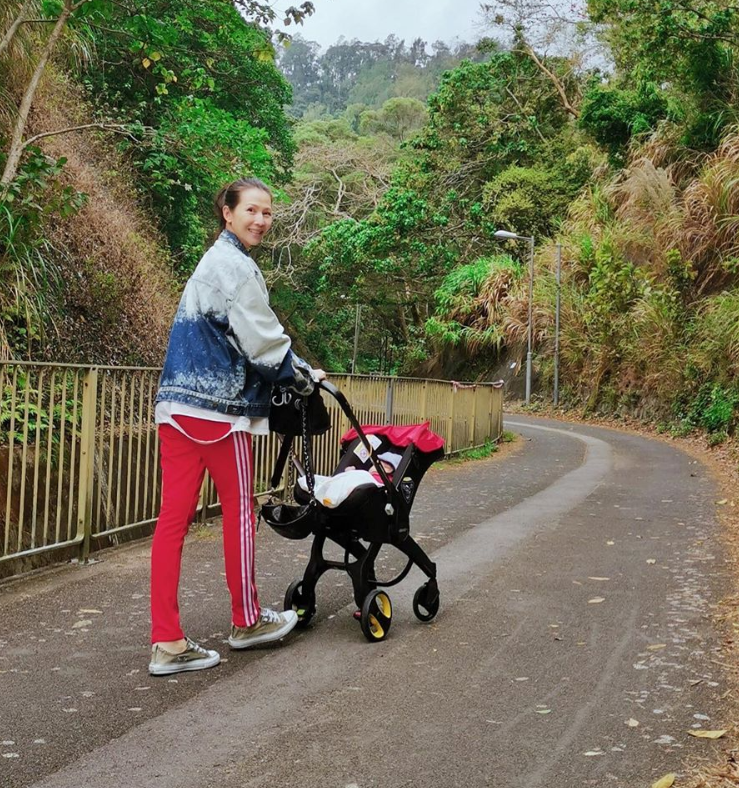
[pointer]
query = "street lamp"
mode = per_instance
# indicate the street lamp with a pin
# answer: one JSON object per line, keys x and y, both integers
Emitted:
{"x": 504, "y": 235}
{"x": 556, "y": 324}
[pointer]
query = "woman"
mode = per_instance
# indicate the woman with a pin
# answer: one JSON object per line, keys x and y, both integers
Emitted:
{"x": 226, "y": 350}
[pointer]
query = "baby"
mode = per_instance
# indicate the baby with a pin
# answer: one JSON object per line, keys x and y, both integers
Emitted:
{"x": 332, "y": 491}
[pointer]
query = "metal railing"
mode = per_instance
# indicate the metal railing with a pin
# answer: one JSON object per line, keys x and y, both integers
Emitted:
{"x": 79, "y": 449}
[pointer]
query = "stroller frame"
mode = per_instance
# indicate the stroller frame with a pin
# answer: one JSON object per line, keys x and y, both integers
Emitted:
{"x": 361, "y": 545}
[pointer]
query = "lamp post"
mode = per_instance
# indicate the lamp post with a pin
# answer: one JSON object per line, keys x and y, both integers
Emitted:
{"x": 556, "y": 325}
{"x": 357, "y": 321}
{"x": 506, "y": 236}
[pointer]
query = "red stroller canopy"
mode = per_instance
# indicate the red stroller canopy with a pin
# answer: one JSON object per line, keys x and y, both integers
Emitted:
{"x": 418, "y": 434}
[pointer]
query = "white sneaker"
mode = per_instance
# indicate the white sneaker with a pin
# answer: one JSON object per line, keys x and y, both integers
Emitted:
{"x": 270, "y": 626}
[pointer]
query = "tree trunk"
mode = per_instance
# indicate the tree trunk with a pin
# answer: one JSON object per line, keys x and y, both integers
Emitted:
{"x": 16, "y": 144}
{"x": 558, "y": 86}
{"x": 8, "y": 37}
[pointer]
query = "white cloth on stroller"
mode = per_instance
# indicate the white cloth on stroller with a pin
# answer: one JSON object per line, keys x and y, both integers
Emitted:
{"x": 332, "y": 491}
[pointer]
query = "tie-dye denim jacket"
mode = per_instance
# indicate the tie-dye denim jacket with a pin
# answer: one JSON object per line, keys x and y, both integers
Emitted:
{"x": 227, "y": 347}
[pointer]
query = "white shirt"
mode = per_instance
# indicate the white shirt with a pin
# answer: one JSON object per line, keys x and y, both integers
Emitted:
{"x": 165, "y": 411}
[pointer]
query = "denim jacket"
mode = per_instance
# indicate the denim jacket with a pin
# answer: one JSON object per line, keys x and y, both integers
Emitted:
{"x": 227, "y": 347}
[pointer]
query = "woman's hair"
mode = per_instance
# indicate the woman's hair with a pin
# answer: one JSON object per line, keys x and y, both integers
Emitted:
{"x": 231, "y": 194}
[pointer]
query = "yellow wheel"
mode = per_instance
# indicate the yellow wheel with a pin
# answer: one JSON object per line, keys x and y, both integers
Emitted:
{"x": 377, "y": 615}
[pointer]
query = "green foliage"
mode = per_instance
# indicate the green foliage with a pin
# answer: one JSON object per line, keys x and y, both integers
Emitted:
{"x": 465, "y": 316}
{"x": 191, "y": 156}
{"x": 24, "y": 408}
{"x": 497, "y": 150}
{"x": 478, "y": 453}
{"x": 612, "y": 116}
{"x": 690, "y": 48}
{"x": 712, "y": 408}
{"x": 398, "y": 118}
{"x": 27, "y": 275}
{"x": 204, "y": 82}
{"x": 526, "y": 200}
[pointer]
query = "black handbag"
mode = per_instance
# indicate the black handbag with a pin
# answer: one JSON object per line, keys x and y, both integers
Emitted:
{"x": 290, "y": 520}
{"x": 287, "y": 410}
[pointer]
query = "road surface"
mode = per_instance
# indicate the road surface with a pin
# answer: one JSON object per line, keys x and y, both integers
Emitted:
{"x": 574, "y": 646}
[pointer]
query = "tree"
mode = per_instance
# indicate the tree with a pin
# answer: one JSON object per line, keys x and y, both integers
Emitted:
{"x": 130, "y": 20}
{"x": 557, "y": 37}
{"x": 397, "y": 118}
{"x": 690, "y": 47}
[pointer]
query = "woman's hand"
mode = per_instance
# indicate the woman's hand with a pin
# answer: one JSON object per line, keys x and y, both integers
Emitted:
{"x": 318, "y": 375}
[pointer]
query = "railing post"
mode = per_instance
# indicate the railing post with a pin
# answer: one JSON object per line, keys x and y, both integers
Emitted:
{"x": 87, "y": 464}
{"x": 474, "y": 416}
{"x": 494, "y": 414}
{"x": 450, "y": 421}
{"x": 424, "y": 399}
{"x": 389, "y": 402}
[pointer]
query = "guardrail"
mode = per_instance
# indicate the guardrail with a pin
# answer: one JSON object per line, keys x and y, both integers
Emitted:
{"x": 79, "y": 449}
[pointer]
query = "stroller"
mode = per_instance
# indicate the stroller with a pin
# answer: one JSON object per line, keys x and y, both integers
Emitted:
{"x": 376, "y": 499}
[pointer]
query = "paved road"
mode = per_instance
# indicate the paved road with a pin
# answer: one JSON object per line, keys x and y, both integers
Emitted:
{"x": 577, "y": 576}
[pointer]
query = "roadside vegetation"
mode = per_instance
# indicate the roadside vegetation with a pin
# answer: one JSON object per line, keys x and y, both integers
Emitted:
{"x": 486, "y": 450}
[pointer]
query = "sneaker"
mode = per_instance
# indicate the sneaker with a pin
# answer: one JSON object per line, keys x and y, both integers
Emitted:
{"x": 194, "y": 657}
{"x": 270, "y": 626}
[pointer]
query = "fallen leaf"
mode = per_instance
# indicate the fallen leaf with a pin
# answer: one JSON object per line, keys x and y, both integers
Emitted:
{"x": 599, "y": 578}
{"x": 665, "y": 782}
{"x": 632, "y": 723}
{"x": 707, "y": 734}
{"x": 651, "y": 560}
{"x": 88, "y": 611}
{"x": 696, "y": 682}
{"x": 596, "y": 600}
{"x": 610, "y": 543}
{"x": 543, "y": 711}
{"x": 84, "y": 623}
{"x": 722, "y": 502}
{"x": 656, "y": 647}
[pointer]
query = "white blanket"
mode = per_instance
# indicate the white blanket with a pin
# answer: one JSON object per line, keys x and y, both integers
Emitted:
{"x": 332, "y": 491}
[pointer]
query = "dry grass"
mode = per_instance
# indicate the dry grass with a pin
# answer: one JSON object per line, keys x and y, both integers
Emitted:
{"x": 708, "y": 234}
{"x": 119, "y": 298}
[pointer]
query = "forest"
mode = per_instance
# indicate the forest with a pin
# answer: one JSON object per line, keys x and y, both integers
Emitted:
{"x": 607, "y": 129}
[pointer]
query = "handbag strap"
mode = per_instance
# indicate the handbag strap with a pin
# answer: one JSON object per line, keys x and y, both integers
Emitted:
{"x": 284, "y": 453}
{"x": 307, "y": 451}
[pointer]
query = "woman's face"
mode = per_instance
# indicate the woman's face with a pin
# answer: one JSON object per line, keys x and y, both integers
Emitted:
{"x": 251, "y": 218}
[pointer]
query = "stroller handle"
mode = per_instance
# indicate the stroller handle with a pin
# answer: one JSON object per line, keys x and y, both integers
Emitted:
{"x": 349, "y": 413}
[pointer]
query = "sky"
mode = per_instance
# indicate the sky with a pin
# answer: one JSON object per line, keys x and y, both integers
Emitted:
{"x": 371, "y": 20}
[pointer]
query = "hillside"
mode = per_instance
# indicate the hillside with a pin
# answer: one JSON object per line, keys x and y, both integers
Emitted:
{"x": 112, "y": 294}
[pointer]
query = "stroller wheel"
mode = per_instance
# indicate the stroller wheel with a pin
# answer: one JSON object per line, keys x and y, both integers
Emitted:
{"x": 377, "y": 615}
{"x": 426, "y": 601}
{"x": 303, "y": 604}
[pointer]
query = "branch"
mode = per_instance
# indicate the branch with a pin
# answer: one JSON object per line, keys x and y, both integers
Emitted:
{"x": 17, "y": 22}
{"x": 118, "y": 128}
{"x": 559, "y": 87}
{"x": 518, "y": 104}
{"x": 340, "y": 195}
{"x": 16, "y": 142}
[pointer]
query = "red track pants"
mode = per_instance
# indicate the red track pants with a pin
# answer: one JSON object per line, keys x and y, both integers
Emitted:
{"x": 229, "y": 462}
